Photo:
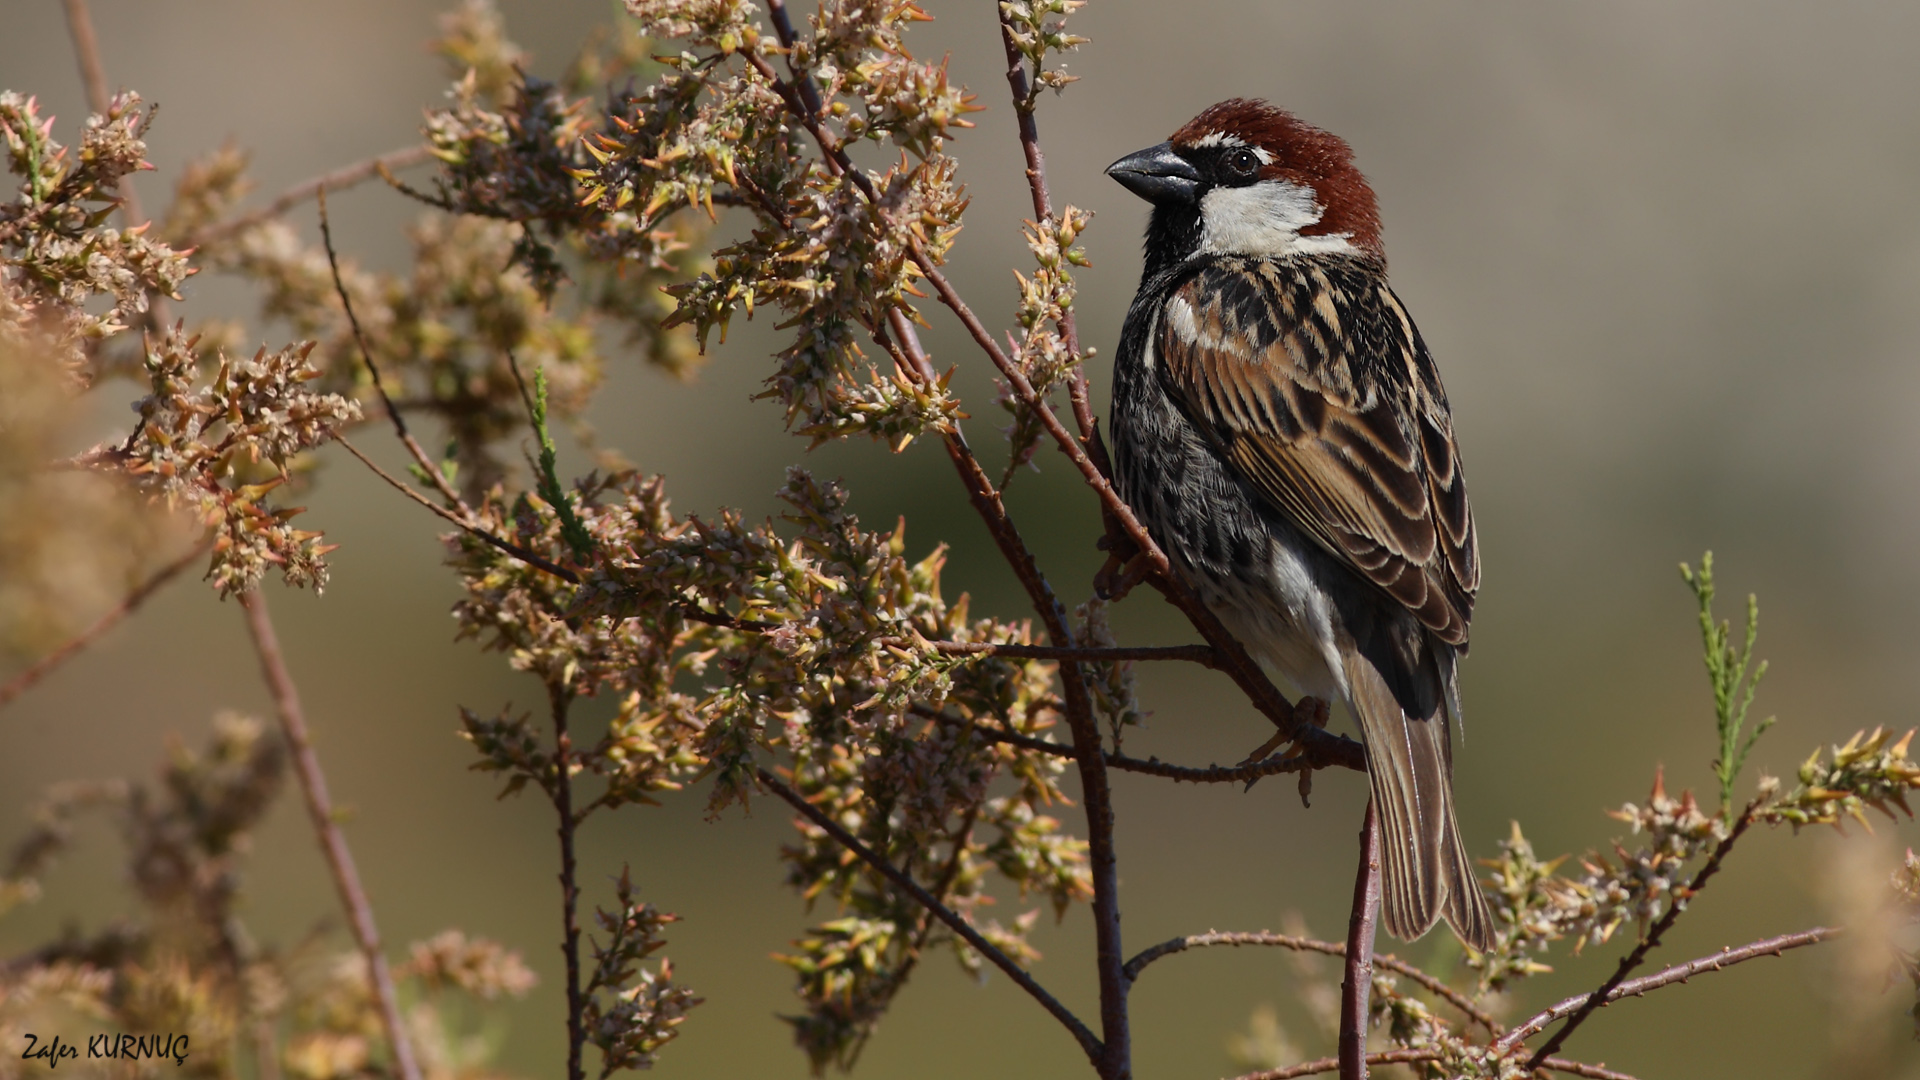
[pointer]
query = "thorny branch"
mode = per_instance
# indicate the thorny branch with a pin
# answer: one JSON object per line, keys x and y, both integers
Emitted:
{"x": 1088, "y": 1041}
{"x": 1647, "y": 944}
{"x": 1678, "y": 973}
{"x": 333, "y": 842}
{"x": 1388, "y": 961}
{"x": 1415, "y": 1055}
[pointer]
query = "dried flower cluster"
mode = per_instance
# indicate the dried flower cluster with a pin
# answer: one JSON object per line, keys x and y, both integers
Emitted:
{"x": 57, "y": 250}
{"x": 1045, "y": 355}
{"x": 218, "y": 449}
{"x": 184, "y": 963}
{"x": 813, "y": 648}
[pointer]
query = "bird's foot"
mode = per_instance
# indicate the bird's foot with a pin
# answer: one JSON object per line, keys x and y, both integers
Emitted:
{"x": 1118, "y": 576}
{"x": 1307, "y": 711}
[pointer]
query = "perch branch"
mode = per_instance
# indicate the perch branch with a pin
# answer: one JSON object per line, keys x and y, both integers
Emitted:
{"x": 74, "y": 645}
{"x": 333, "y": 842}
{"x": 1211, "y": 774}
{"x": 1088, "y": 1041}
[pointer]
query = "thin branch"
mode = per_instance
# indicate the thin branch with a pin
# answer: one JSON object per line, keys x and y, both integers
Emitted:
{"x": 1647, "y": 944}
{"x": 1409, "y": 1056}
{"x": 344, "y": 177}
{"x": 1246, "y": 773}
{"x": 1305, "y": 944}
{"x": 1581, "y": 1068}
{"x": 74, "y": 645}
{"x": 333, "y": 843}
{"x": 1678, "y": 973}
{"x": 906, "y": 884}
{"x": 1358, "y": 982}
{"x": 420, "y": 457}
{"x": 1327, "y": 1065}
{"x": 532, "y": 559}
{"x": 561, "y": 794}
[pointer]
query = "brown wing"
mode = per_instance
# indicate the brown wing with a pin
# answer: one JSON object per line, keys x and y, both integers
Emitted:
{"x": 1309, "y": 376}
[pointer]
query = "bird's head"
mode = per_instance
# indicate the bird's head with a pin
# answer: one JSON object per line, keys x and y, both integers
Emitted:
{"x": 1247, "y": 178}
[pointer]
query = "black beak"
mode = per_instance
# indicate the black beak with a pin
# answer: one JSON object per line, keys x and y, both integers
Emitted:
{"x": 1158, "y": 175}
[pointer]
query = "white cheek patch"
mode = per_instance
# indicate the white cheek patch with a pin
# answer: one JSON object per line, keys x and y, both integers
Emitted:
{"x": 1265, "y": 219}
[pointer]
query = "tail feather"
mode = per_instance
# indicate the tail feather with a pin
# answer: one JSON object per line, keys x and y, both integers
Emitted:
{"x": 1427, "y": 872}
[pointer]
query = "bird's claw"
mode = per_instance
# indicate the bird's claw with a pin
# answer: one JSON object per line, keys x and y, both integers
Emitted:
{"x": 1118, "y": 576}
{"x": 1308, "y": 711}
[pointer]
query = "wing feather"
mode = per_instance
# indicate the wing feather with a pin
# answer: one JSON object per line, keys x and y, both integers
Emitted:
{"x": 1313, "y": 382}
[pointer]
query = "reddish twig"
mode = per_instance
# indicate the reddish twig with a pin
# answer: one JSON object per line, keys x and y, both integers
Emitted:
{"x": 1359, "y": 954}
{"x": 533, "y": 559}
{"x": 420, "y": 457}
{"x": 344, "y": 177}
{"x": 74, "y": 645}
{"x": 1409, "y": 1056}
{"x": 1581, "y": 1068}
{"x": 1305, "y": 944}
{"x": 1678, "y": 973}
{"x": 333, "y": 843}
{"x": 1632, "y": 960}
{"x": 820, "y": 819}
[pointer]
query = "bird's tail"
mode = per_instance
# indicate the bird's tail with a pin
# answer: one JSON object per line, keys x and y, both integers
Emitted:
{"x": 1428, "y": 874}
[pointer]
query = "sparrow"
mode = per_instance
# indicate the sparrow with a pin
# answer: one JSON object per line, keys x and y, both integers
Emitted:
{"x": 1280, "y": 428}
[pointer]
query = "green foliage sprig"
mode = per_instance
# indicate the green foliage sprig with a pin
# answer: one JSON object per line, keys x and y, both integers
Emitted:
{"x": 1727, "y": 672}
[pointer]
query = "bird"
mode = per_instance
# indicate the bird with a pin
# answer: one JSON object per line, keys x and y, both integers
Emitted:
{"x": 1279, "y": 427}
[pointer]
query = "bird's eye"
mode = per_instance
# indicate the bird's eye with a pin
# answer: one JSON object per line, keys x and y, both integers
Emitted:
{"x": 1243, "y": 162}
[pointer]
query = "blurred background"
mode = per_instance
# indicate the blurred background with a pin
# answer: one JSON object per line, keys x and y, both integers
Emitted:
{"x": 1668, "y": 257}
